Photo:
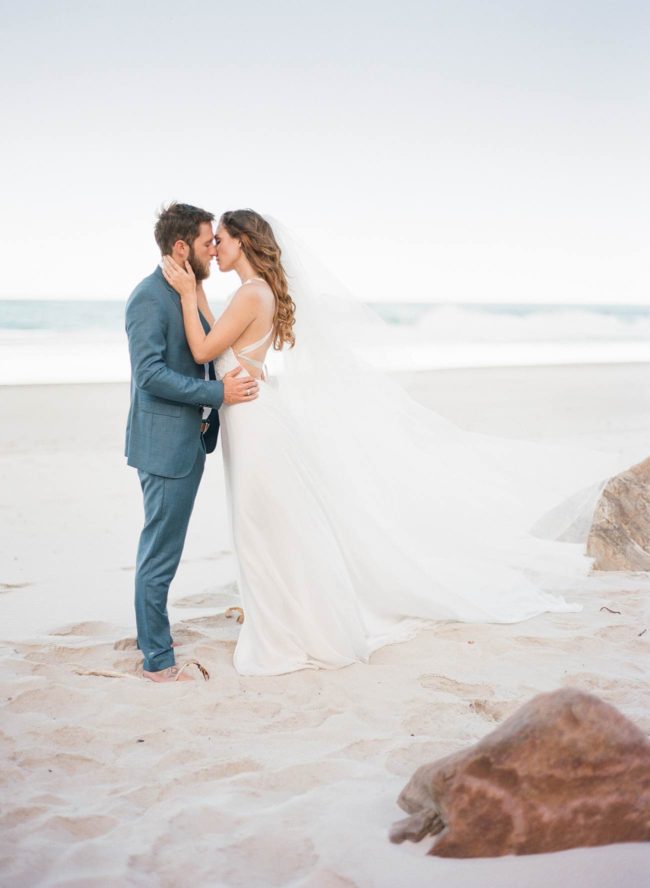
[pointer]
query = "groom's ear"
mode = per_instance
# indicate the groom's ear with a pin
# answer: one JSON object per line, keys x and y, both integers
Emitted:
{"x": 181, "y": 249}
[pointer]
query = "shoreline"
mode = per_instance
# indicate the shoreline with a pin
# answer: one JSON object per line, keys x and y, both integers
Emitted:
{"x": 398, "y": 374}
{"x": 397, "y": 369}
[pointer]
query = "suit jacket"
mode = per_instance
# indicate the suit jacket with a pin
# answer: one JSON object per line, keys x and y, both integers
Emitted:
{"x": 168, "y": 389}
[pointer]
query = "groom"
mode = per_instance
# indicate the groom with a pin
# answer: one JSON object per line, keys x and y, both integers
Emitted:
{"x": 172, "y": 424}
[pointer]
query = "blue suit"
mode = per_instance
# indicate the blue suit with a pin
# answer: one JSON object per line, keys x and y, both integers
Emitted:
{"x": 165, "y": 444}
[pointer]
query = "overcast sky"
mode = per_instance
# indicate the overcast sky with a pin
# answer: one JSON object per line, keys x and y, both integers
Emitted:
{"x": 449, "y": 151}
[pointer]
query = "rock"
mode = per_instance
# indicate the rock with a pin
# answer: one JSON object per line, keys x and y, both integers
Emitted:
{"x": 619, "y": 538}
{"x": 566, "y": 770}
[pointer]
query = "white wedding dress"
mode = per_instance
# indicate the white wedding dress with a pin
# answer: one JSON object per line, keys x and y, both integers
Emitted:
{"x": 358, "y": 515}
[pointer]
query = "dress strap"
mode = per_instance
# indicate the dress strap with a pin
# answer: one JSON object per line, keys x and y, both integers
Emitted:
{"x": 247, "y": 349}
{"x": 243, "y": 354}
{"x": 259, "y": 364}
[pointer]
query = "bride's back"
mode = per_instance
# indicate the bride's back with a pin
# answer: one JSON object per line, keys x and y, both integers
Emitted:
{"x": 251, "y": 347}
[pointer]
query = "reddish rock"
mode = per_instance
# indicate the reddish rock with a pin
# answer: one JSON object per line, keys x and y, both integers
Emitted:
{"x": 566, "y": 770}
{"x": 619, "y": 538}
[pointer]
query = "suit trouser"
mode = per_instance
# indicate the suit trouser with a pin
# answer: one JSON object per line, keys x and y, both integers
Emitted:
{"x": 168, "y": 504}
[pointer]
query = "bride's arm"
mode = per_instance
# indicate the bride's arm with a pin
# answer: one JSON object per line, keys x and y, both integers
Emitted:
{"x": 226, "y": 331}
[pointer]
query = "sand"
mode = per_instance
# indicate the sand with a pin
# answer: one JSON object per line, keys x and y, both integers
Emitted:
{"x": 289, "y": 780}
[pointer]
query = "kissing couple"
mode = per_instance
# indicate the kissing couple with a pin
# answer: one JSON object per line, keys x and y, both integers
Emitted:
{"x": 357, "y": 515}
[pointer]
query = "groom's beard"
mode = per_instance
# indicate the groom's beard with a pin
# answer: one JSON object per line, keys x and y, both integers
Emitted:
{"x": 201, "y": 272}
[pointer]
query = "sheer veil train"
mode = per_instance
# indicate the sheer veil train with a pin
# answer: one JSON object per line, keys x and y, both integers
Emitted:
{"x": 435, "y": 521}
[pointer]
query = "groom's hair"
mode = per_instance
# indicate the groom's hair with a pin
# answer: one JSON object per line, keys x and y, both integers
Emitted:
{"x": 179, "y": 221}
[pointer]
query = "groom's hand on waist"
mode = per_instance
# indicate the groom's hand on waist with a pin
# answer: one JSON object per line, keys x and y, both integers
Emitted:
{"x": 239, "y": 388}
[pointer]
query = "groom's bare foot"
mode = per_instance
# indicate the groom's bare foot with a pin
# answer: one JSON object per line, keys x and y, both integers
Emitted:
{"x": 171, "y": 673}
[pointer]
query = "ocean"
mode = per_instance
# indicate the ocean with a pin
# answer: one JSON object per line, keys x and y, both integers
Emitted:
{"x": 43, "y": 341}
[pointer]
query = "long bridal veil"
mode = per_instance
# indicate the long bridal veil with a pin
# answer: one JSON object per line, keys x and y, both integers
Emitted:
{"x": 456, "y": 525}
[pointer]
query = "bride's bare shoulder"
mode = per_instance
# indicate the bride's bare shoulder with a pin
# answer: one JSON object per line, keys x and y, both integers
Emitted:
{"x": 254, "y": 292}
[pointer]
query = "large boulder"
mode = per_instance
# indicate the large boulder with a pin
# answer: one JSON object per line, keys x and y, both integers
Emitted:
{"x": 619, "y": 538}
{"x": 566, "y": 770}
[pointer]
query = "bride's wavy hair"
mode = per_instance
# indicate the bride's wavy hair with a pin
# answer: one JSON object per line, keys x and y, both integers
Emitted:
{"x": 262, "y": 251}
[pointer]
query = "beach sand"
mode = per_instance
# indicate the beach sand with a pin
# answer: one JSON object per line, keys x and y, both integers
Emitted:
{"x": 290, "y": 780}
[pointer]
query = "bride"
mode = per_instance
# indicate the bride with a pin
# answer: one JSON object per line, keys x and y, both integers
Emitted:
{"x": 356, "y": 514}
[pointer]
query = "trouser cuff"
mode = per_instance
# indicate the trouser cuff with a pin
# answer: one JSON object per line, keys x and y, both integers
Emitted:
{"x": 158, "y": 662}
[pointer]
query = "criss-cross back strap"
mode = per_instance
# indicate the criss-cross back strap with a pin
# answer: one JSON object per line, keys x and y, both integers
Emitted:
{"x": 247, "y": 349}
{"x": 243, "y": 354}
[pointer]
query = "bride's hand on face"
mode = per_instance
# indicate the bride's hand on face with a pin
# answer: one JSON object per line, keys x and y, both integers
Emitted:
{"x": 181, "y": 279}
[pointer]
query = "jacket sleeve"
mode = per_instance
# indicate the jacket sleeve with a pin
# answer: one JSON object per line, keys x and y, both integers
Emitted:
{"x": 146, "y": 325}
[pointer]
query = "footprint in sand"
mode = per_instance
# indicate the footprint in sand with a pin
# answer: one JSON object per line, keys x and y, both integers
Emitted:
{"x": 78, "y": 828}
{"x": 627, "y": 633}
{"x": 211, "y": 623}
{"x": 222, "y": 596}
{"x": 59, "y": 763}
{"x": 360, "y": 750}
{"x": 60, "y": 655}
{"x": 221, "y": 771}
{"x": 550, "y": 644}
{"x": 51, "y": 700}
{"x": 631, "y": 695}
{"x": 587, "y": 681}
{"x": 296, "y": 779}
{"x": 10, "y": 587}
{"x": 20, "y": 665}
{"x": 21, "y": 815}
{"x": 90, "y": 627}
{"x": 71, "y": 735}
{"x": 451, "y": 686}
{"x": 182, "y": 633}
{"x": 202, "y": 818}
{"x": 313, "y": 719}
{"x": 185, "y": 635}
{"x": 125, "y": 644}
{"x": 494, "y": 710}
{"x": 437, "y": 718}
{"x": 128, "y": 665}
